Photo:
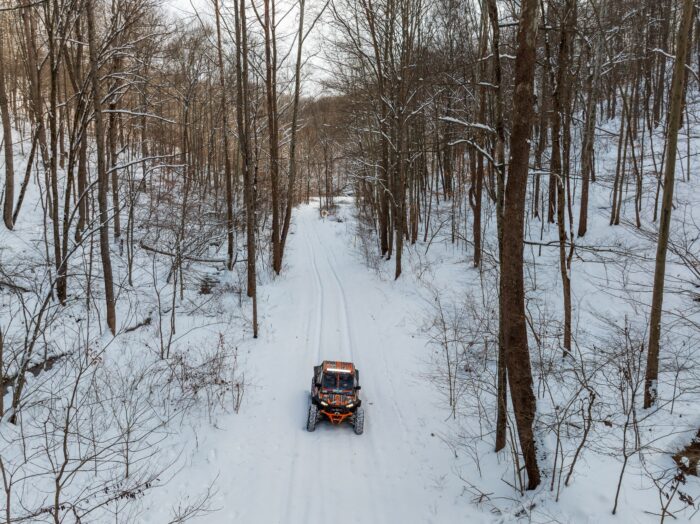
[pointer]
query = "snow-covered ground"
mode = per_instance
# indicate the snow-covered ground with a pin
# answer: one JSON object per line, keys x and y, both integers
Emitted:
{"x": 411, "y": 464}
{"x": 266, "y": 467}
{"x": 415, "y": 463}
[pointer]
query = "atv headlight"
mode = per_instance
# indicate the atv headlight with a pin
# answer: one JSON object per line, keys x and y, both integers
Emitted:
{"x": 350, "y": 405}
{"x": 324, "y": 403}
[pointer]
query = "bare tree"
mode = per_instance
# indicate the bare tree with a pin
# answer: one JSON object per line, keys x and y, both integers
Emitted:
{"x": 8, "y": 204}
{"x": 512, "y": 285}
{"x": 243, "y": 122}
{"x": 228, "y": 175}
{"x": 102, "y": 181}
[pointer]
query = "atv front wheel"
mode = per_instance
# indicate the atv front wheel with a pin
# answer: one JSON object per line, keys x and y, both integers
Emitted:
{"x": 359, "y": 421}
{"x": 312, "y": 418}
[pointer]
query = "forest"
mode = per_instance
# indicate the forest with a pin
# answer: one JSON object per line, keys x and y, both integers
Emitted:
{"x": 490, "y": 206}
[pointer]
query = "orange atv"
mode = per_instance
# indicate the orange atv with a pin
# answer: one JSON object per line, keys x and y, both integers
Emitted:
{"x": 334, "y": 395}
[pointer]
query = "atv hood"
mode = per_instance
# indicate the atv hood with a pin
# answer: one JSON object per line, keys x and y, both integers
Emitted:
{"x": 337, "y": 398}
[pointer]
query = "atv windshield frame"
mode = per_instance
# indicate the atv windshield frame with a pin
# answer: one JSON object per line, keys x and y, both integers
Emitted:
{"x": 344, "y": 381}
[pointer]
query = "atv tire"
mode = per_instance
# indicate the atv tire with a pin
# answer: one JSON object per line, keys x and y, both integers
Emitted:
{"x": 359, "y": 421}
{"x": 312, "y": 418}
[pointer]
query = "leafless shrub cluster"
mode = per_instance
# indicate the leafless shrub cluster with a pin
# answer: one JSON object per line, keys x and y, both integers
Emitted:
{"x": 589, "y": 403}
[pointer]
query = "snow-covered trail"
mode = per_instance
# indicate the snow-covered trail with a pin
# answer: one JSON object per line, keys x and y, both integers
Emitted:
{"x": 327, "y": 305}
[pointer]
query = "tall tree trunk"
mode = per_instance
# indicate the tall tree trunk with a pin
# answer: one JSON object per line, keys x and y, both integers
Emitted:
{"x": 7, "y": 133}
{"x": 52, "y": 14}
{"x": 293, "y": 133}
{"x": 560, "y": 103}
{"x": 512, "y": 284}
{"x": 272, "y": 122}
{"x": 552, "y": 186}
{"x": 587, "y": 153}
{"x": 230, "y": 247}
{"x": 112, "y": 131}
{"x": 243, "y": 124}
{"x": 542, "y": 130}
{"x": 500, "y": 168}
{"x": 27, "y": 176}
{"x": 399, "y": 195}
{"x": 102, "y": 179}
{"x": 33, "y": 79}
{"x": 82, "y": 182}
{"x": 666, "y": 13}
{"x": 674, "y": 121}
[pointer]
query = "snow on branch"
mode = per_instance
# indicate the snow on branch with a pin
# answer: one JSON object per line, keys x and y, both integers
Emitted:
{"x": 139, "y": 114}
{"x": 478, "y": 148}
{"x": 473, "y": 125}
{"x": 662, "y": 52}
{"x": 673, "y": 57}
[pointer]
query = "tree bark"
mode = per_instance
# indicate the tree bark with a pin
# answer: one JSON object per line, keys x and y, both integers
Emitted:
{"x": 293, "y": 138}
{"x": 243, "y": 124}
{"x": 112, "y": 127}
{"x": 272, "y": 123}
{"x": 502, "y": 380}
{"x": 666, "y": 13}
{"x": 587, "y": 153}
{"x": 7, "y": 133}
{"x": 230, "y": 246}
{"x": 512, "y": 283}
{"x": 102, "y": 179}
{"x": 561, "y": 102}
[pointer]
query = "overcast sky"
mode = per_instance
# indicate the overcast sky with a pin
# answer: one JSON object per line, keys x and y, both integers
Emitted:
{"x": 315, "y": 66}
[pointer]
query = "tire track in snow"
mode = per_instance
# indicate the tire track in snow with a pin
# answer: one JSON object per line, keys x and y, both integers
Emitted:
{"x": 294, "y": 469}
{"x": 321, "y": 446}
{"x": 347, "y": 340}
{"x": 380, "y": 376}
{"x": 320, "y": 291}
{"x": 294, "y": 478}
{"x": 357, "y": 444}
{"x": 387, "y": 368}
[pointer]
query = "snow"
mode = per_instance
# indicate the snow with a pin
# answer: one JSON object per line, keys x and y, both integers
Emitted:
{"x": 416, "y": 462}
{"x": 266, "y": 466}
{"x": 474, "y": 125}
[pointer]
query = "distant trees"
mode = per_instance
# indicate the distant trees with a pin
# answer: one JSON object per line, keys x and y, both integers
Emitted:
{"x": 145, "y": 156}
{"x": 147, "y": 134}
{"x": 389, "y": 85}
{"x": 228, "y": 174}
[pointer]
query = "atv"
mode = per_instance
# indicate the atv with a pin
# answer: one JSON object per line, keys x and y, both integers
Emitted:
{"x": 334, "y": 395}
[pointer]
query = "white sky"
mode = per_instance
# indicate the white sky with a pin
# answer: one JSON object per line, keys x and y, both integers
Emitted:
{"x": 315, "y": 67}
